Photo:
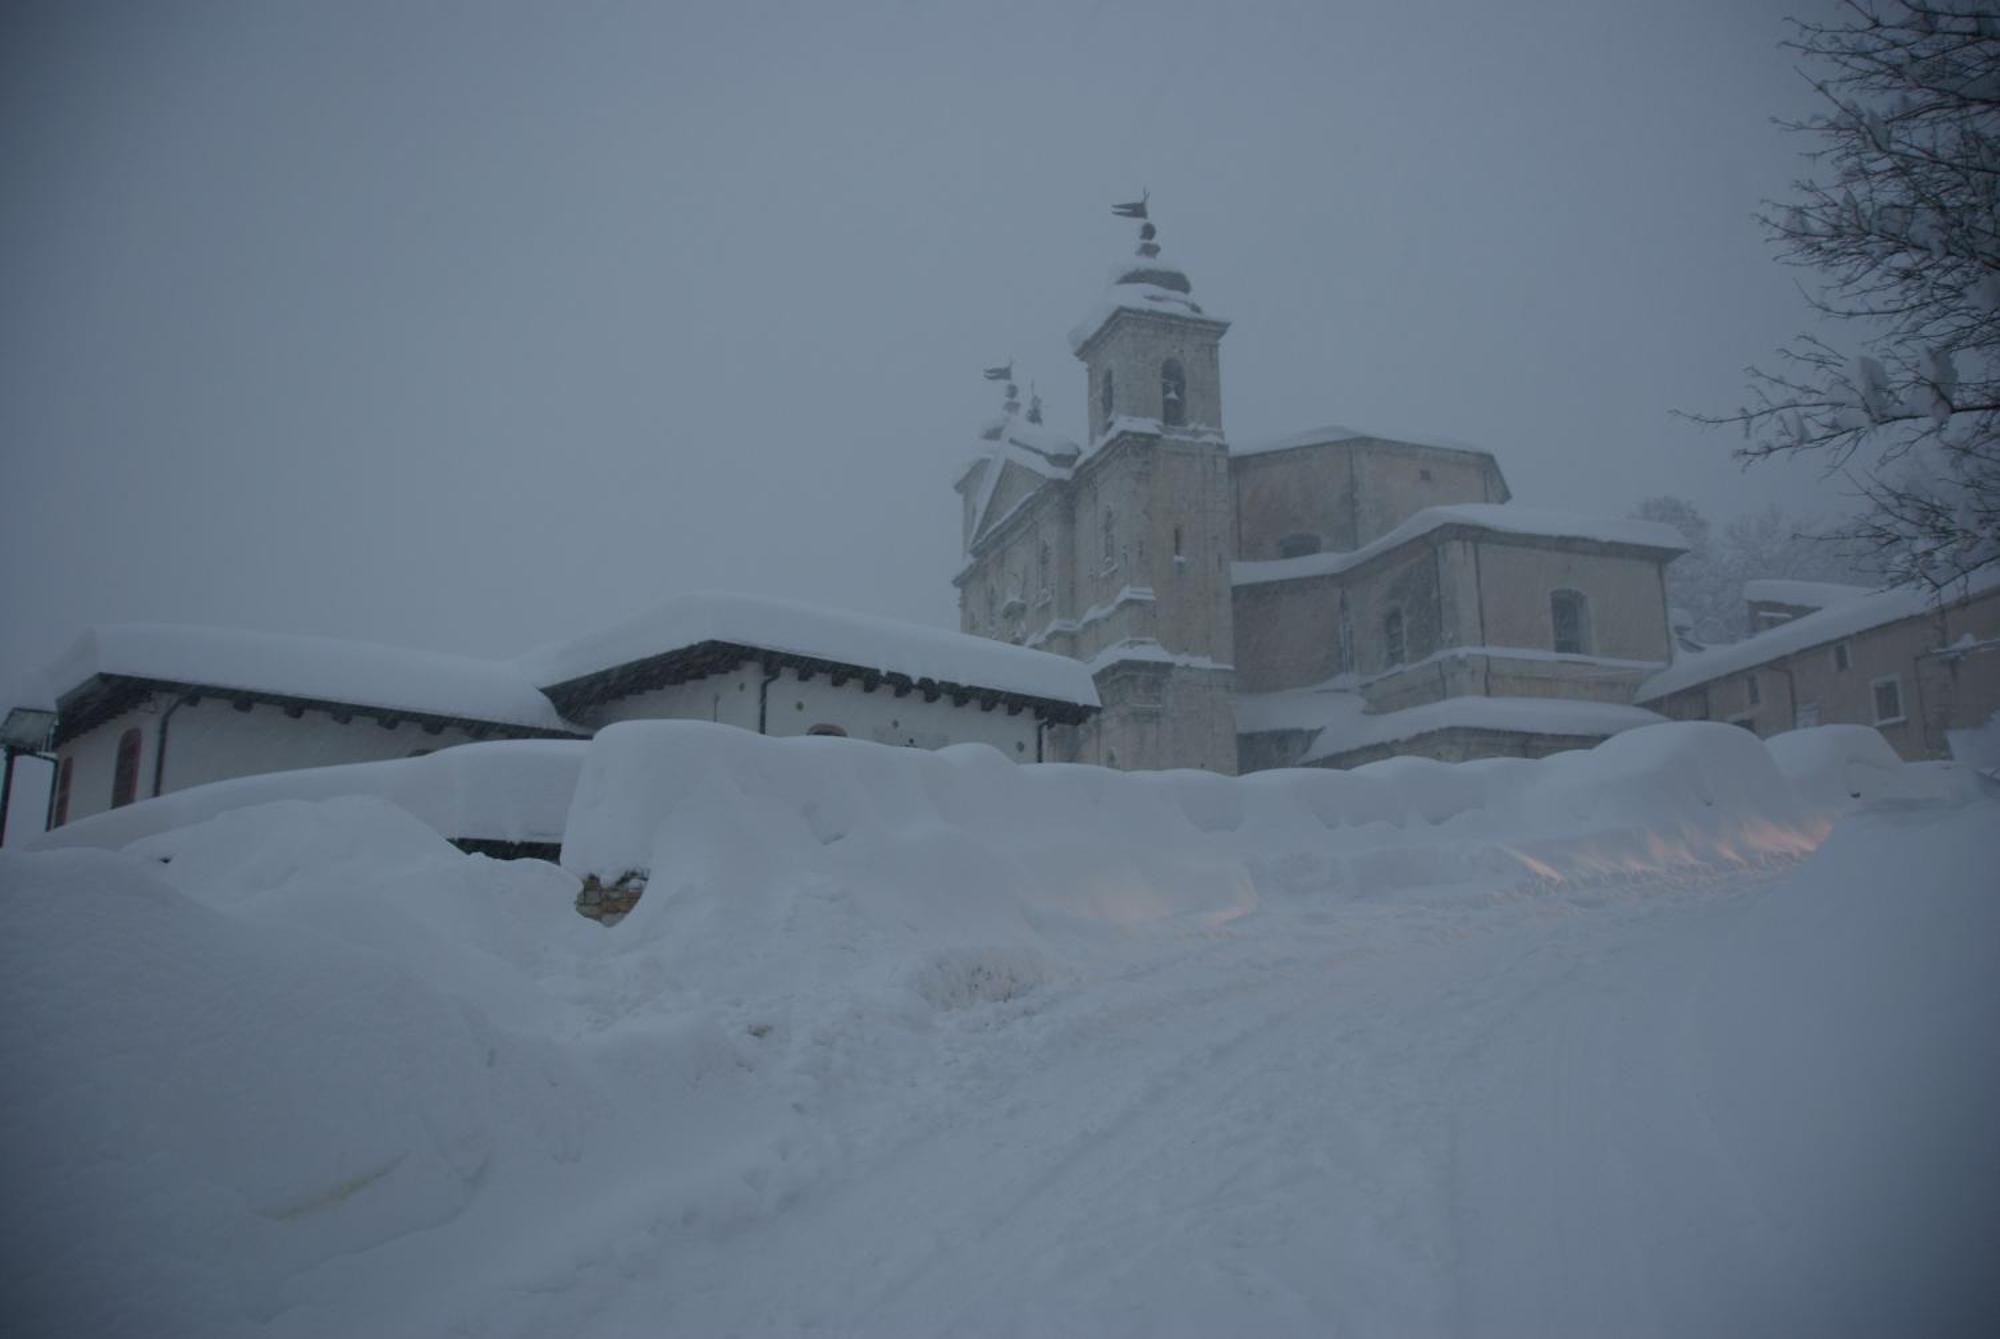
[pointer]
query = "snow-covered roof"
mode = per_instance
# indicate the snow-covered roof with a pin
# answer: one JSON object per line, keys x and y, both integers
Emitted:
{"x": 1347, "y": 727}
{"x": 836, "y": 636}
{"x": 1494, "y": 517}
{"x": 315, "y": 669}
{"x": 1146, "y": 284}
{"x": 1808, "y": 594}
{"x": 1334, "y": 432}
{"x": 1802, "y": 633}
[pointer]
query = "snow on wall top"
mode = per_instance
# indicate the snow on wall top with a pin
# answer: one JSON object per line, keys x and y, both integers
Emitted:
{"x": 1811, "y": 594}
{"x": 1801, "y": 634}
{"x": 322, "y": 669}
{"x": 861, "y": 640}
{"x": 1346, "y": 726}
{"x": 1334, "y": 432}
{"x": 1496, "y": 517}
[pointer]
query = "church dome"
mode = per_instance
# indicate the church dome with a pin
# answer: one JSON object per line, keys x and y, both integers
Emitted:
{"x": 1145, "y": 284}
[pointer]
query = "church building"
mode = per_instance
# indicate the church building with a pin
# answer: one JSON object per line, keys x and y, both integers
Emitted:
{"x": 1326, "y": 599}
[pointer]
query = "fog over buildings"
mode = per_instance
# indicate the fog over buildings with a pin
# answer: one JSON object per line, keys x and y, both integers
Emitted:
{"x": 474, "y": 326}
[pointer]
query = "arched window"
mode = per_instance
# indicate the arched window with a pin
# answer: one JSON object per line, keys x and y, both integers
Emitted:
{"x": 1569, "y": 617}
{"x": 1173, "y": 393}
{"x": 61, "y": 813}
{"x": 1392, "y": 636}
{"x": 832, "y": 730}
{"x": 125, "y": 776}
{"x": 1298, "y": 545}
{"x": 1110, "y": 539}
{"x": 1104, "y": 400}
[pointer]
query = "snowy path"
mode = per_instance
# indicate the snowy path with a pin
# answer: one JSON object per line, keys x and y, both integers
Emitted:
{"x": 1724, "y": 1103}
{"x": 1379, "y": 1121}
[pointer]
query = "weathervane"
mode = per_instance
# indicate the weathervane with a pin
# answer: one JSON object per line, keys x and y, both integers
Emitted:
{"x": 1005, "y": 372}
{"x": 1136, "y": 209}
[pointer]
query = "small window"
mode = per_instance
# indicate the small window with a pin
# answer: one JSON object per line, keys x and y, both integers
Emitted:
{"x": 1104, "y": 400}
{"x": 1110, "y": 539}
{"x": 1888, "y": 700}
{"x": 1753, "y": 692}
{"x": 1042, "y": 563}
{"x": 1569, "y": 615}
{"x": 1392, "y": 636}
{"x": 1298, "y": 546}
{"x": 831, "y": 730}
{"x": 125, "y": 776}
{"x": 1173, "y": 393}
{"x": 1806, "y": 716}
{"x": 62, "y": 793}
{"x": 1177, "y": 541}
{"x": 1343, "y": 641}
{"x": 1841, "y": 661}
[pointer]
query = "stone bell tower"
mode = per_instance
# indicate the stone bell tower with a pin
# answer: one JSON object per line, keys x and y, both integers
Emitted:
{"x": 1155, "y": 521}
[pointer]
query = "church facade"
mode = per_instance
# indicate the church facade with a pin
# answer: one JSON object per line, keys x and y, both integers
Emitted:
{"x": 1327, "y": 599}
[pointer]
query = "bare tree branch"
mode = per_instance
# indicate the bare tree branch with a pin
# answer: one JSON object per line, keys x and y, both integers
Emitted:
{"x": 1901, "y": 222}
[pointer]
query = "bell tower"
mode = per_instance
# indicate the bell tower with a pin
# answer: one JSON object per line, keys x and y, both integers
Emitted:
{"x": 1155, "y": 520}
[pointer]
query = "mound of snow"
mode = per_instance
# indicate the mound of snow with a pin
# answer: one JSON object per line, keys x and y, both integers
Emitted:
{"x": 200, "y": 1104}
{"x": 896, "y": 1037}
{"x": 504, "y": 790}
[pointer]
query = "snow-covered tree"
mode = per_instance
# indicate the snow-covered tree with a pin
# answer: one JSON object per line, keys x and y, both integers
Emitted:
{"x": 1900, "y": 218}
{"x": 1706, "y": 582}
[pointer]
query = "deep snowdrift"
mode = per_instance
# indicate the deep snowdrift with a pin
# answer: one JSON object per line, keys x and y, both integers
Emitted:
{"x": 913, "y": 1043}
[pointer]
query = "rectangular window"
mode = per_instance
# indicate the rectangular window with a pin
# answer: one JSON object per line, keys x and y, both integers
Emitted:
{"x": 1753, "y": 692}
{"x": 1806, "y": 716}
{"x": 1888, "y": 700}
{"x": 1840, "y": 657}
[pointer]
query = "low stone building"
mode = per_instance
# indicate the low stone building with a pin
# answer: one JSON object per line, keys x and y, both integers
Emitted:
{"x": 147, "y": 710}
{"x": 1912, "y": 666}
{"x": 1309, "y": 600}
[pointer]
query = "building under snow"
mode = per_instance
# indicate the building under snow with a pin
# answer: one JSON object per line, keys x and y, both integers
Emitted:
{"x": 138, "y": 710}
{"x": 1329, "y": 598}
{"x": 1914, "y": 667}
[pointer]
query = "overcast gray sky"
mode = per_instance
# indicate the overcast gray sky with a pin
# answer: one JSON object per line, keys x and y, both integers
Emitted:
{"x": 475, "y": 325}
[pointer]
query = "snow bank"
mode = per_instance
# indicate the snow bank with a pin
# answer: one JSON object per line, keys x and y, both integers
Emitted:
{"x": 989, "y": 847}
{"x": 504, "y": 790}
{"x": 302, "y": 1068}
{"x": 1837, "y": 768}
{"x": 226, "y": 1072}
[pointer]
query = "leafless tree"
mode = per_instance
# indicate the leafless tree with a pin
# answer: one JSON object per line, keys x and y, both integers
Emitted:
{"x": 1900, "y": 218}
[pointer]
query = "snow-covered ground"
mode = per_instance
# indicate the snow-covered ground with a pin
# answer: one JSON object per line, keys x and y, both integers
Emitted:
{"x": 1687, "y": 1035}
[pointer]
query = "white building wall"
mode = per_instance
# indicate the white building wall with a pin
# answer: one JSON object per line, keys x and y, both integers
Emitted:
{"x": 212, "y": 741}
{"x": 794, "y": 706}
{"x": 93, "y": 761}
